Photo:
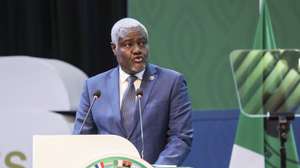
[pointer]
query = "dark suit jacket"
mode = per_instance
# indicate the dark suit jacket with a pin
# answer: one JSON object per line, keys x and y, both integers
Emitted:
{"x": 166, "y": 111}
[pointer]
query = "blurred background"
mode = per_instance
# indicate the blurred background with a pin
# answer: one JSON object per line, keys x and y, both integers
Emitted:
{"x": 194, "y": 37}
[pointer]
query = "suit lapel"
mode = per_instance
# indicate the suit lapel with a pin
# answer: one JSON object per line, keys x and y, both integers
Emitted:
{"x": 148, "y": 82}
{"x": 149, "y": 79}
{"x": 114, "y": 96}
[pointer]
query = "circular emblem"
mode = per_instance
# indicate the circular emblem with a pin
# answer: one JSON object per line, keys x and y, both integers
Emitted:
{"x": 117, "y": 162}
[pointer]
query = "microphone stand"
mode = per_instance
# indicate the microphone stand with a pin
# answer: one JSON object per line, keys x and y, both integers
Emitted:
{"x": 284, "y": 120}
{"x": 139, "y": 94}
{"x": 96, "y": 95}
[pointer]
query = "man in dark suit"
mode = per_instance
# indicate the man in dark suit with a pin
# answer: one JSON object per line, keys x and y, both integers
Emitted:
{"x": 166, "y": 107}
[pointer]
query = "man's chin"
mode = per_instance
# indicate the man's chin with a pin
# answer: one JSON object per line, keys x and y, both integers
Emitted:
{"x": 138, "y": 68}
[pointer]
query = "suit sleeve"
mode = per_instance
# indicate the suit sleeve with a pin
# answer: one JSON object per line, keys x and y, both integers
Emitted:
{"x": 180, "y": 133}
{"x": 89, "y": 126}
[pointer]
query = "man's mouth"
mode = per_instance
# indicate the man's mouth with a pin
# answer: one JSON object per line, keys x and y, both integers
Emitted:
{"x": 138, "y": 60}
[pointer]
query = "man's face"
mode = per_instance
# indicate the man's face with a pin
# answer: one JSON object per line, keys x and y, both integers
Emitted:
{"x": 132, "y": 50}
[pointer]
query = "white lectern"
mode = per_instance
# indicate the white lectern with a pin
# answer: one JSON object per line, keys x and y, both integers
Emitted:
{"x": 85, "y": 151}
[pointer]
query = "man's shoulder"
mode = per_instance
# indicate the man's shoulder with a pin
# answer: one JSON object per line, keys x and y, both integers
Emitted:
{"x": 102, "y": 75}
{"x": 165, "y": 71}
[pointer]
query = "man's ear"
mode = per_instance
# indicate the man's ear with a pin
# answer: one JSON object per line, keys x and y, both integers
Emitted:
{"x": 113, "y": 47}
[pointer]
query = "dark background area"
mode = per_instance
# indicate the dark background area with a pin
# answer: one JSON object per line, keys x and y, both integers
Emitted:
{"x": 75, "y": 31}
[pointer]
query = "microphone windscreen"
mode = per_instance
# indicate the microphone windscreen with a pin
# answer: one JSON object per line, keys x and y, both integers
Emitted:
{"x": 97, "y": 93}
{"x": 139, "y": 92}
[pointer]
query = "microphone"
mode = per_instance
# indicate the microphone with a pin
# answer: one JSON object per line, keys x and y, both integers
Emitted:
{"x": 96, "y": 95}
{"x": 139, "y": 94}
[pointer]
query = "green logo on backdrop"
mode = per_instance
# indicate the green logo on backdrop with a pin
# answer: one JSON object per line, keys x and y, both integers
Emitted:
{"x": 10, "y": 157}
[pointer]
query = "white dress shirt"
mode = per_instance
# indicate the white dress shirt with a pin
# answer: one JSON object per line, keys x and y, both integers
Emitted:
{"x": 123, "y": 83}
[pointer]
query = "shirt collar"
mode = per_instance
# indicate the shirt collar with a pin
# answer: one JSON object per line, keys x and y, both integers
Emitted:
{"x": 123, "y": 75}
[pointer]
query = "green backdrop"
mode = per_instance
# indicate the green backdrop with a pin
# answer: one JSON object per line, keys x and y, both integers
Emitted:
{"x": 195, "y": 38}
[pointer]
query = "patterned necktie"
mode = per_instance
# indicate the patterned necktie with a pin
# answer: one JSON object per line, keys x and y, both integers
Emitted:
{"x": 128, "y": 104}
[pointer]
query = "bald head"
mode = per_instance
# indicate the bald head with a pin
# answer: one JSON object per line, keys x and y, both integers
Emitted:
{"x": 121, "y": 28}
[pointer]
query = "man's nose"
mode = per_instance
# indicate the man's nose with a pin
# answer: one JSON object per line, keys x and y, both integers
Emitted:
{"x": 136, "y": 49}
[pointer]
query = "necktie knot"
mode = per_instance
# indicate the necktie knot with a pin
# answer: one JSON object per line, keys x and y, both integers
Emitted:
{"x": 131, "y": 79}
